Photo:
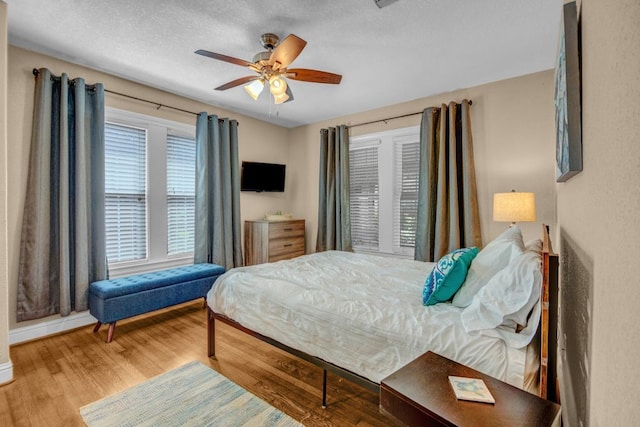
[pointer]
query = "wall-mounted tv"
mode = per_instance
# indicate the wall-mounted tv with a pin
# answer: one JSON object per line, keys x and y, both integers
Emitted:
{"x": 262, "y": 177}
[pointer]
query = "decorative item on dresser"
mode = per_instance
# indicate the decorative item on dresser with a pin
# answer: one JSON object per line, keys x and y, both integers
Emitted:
{"x": 270, "y": 241}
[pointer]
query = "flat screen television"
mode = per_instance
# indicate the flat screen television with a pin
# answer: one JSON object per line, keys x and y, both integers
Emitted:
{"x": 262, "y": 177}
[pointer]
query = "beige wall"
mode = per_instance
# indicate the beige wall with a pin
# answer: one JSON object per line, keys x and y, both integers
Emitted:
{"x": 5, "y": 372}
{"x": 257, "y": 140}
{"x": 514, "y": 142}
{"x": 598, "y": 211}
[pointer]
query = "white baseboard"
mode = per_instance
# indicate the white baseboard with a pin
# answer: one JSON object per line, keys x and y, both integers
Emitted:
{"x": 50, "y": 327}
{"x": 6, "y": 372}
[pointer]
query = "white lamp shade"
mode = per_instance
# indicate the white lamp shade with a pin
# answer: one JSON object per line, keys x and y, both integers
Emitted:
{"x": 514, "y": 207}
{"x": 279, "y": 99}
{"x": 277, "y": 85}
{"x": 254, "y": 88}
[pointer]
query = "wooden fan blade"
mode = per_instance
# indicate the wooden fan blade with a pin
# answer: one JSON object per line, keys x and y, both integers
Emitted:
{"x": 314, "y": 76}
{"x": 237, "y": 82}
{"x": 286, "y": 51}
{"x": 224, "y": 58}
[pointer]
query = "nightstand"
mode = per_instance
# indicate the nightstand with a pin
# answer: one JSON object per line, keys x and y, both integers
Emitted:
{"x": 419, "y": 394}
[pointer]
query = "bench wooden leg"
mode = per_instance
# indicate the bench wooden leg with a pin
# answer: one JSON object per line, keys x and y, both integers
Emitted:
{"x": 112, "y": 328}
{"x": 97, "y": 327}
{"x": 204, "y": 304}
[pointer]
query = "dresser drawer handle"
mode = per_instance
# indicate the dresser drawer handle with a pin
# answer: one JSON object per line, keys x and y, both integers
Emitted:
{"x": 288, "y": 244}
{"x": 288, "y": 229}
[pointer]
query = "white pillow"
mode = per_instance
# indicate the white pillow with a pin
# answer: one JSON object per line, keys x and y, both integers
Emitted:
{"x": 490, "y": 260}
{"x": 533, "y": 245}
{"x": 507, "y": 300}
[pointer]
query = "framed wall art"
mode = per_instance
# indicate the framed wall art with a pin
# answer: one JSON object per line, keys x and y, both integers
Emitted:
{"x": 568, "y": 97}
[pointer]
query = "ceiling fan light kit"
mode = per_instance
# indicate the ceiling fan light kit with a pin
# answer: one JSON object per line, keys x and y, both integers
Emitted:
{"x": 271, "y": 66}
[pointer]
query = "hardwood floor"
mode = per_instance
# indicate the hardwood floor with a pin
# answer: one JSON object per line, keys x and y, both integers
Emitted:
{"x": 57, "y": 375}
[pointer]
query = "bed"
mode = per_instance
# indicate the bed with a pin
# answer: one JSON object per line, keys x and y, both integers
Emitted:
{"x": 363, "y": 316}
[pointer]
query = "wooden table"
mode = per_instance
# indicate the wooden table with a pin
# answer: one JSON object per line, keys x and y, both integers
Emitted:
{"x": 419, "y": 394}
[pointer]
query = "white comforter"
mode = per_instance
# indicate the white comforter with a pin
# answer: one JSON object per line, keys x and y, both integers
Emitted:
{"x": 361, "y": 312}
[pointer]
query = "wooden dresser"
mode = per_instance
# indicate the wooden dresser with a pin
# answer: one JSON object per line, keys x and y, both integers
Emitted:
{"x": 269, "y": 241}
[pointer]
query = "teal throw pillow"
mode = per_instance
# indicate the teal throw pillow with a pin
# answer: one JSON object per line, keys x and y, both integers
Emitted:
{"x": 447, "y": 276}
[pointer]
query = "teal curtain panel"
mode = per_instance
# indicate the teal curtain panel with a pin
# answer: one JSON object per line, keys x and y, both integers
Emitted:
{"x": 217, "y": 213}
{"x": 448, "y": 199}
{"x": 334, "y": 223}
{"x": 62, "y": 248}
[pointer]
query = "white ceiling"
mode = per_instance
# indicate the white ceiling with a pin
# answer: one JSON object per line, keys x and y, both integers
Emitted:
{"x": 407, "y": 50}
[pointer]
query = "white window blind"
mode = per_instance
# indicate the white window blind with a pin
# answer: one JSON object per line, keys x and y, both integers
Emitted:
{"x": 384, "y": 191}
{"x": 407, "y": 164}
{"x": 181, "y": 175}
{"x": 125, "y": 192}
{"x": 364, "y": 187}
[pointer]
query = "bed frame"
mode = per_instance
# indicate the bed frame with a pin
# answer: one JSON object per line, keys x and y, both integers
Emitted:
{"x": 548, "y": 388}
{"x": 326, "y": 366}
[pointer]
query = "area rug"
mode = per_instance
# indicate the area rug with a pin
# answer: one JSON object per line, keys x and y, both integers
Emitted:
{"x": 191, "y": 395}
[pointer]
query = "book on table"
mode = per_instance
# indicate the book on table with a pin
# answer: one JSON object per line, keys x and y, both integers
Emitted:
{"x": 471, "y": 389}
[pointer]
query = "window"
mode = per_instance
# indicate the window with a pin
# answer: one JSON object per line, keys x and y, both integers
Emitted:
{"x": 384, "y": 191}
{"x": 364, "y": 194}
{"x": 407, "y": 169}
{"x": 181, "y": 193}
{"x": 125, "y": 192}
{"x": 149, "y": 192}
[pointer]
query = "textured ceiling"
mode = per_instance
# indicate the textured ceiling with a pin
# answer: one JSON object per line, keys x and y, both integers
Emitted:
{"x": 407, "y": 50}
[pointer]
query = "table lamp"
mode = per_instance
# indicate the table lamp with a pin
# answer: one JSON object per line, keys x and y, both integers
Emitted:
{"x": 514, "y": 207}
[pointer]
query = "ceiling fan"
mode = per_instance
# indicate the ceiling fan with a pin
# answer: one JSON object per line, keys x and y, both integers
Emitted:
{"x": 271, "y": 67}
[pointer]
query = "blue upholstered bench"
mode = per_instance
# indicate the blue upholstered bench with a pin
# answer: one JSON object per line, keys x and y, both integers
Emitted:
{"x": 116, "y": 299}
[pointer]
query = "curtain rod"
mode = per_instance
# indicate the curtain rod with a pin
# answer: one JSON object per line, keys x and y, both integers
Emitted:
{"x": 157, "y": 104}
{"x": 390, "y": 118}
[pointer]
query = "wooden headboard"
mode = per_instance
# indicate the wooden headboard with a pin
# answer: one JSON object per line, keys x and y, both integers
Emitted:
{"x": 549, "y": 321}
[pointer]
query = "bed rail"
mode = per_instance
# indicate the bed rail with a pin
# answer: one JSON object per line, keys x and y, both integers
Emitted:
{"x": 326, "y": 366}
